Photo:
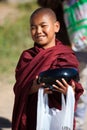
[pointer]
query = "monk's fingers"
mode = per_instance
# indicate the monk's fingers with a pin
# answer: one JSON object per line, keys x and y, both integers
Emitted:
{"x": 59, "y": 89}
{"x": 35, "y": 80}
{"x": 73, "y": 85}
{"x": 65, "y": 83}
{"x": 62, "y": 84}
{"x": 47, "y": 90}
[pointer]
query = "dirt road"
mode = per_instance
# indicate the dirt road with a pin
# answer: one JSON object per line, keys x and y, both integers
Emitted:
{"x": 6, "y": 104}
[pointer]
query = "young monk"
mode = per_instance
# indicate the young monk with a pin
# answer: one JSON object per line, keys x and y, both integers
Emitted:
{"x": 47, "y": 53}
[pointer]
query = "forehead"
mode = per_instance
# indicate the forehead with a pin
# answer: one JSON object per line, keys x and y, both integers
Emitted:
{"x": 41, "y": 17}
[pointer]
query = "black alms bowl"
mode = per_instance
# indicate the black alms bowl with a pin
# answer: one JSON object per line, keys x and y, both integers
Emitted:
{"x": 49, "y": 77}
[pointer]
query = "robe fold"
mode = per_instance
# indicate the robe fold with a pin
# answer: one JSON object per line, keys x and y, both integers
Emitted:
{"x": 31, "y": 63}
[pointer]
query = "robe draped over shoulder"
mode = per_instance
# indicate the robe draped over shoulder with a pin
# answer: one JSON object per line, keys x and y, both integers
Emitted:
{"x": 31, "y": 63}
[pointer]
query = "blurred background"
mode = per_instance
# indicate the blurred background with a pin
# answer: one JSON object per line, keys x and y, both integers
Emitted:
{"x": 14, "y": 38}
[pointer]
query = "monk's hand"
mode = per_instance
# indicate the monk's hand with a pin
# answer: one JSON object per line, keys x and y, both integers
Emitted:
{"x": 73, "y": 86}
{"x": 36, "y": 86}
{"x": 62, "y": 87}
{"x": 48, "y": 91}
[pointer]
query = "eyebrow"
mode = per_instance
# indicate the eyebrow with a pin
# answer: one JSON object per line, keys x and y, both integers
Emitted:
{"x": 39, "y": 24}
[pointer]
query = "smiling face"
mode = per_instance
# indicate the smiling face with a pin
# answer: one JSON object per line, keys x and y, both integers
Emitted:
{"x": 43, "y": 29}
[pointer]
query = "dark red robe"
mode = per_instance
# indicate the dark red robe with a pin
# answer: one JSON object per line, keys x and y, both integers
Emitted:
{"x": 31, "y": 63}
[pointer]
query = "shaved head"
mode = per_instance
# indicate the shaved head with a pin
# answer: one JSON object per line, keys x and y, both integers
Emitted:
{"x": 44, "y": 26}
{"x": 44, "y": 11}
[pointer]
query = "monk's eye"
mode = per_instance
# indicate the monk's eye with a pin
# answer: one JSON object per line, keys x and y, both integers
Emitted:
{"x": 33, "y": 27}
{"x": 43, "y": 26}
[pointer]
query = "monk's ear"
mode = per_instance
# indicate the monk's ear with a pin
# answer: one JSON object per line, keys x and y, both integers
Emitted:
{"x": 57, "y": 26}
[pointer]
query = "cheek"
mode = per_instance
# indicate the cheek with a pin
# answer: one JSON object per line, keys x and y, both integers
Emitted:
{"x": 32, "y": 33}
{"x": 47, "y": 31}
{"x": 51, "y": 31}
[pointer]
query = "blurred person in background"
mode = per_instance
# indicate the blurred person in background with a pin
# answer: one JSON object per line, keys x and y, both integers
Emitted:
{"x": 72, "y": 16}
{"x": 75, "y": 16}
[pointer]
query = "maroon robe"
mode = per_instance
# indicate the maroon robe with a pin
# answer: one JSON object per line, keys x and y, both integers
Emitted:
{"x": 31, "y": 63}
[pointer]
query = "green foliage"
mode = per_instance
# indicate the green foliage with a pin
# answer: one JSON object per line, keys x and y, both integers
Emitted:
{"x": 28, "y": 6}
{"x": 14, "y": 38}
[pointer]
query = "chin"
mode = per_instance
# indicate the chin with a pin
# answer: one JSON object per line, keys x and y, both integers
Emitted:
{"x": 42, "y": 43}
